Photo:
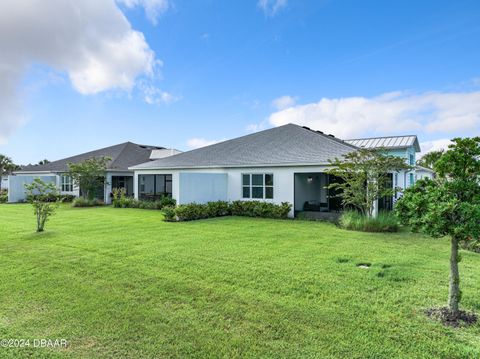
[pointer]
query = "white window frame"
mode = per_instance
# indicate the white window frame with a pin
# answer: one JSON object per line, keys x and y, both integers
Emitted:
{"x": 264, "y": 186}
{"x": 66, "y": 183}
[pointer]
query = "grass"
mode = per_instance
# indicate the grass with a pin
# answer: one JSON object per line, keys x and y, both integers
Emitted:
{"x": 384, "y": 222}
{"x": 120, "y": 283}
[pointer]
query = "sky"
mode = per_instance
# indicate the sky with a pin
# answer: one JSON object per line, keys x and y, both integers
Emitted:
{"x": 77, "y": 76}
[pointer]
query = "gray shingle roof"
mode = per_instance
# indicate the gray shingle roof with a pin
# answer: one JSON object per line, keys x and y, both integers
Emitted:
{"x": 285, "y": 145}
{"x": 386, "y": 142}
{"x": 122, "y": 156}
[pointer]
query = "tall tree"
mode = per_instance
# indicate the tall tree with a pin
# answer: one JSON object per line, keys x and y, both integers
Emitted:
{"x": 43, "y": 162}
{"x": 6, "y": 167}
{"x": 428, "y": 160}
{"x": 364, "y": 174}
{"x": 449, "y": 205}
{"x": 89, "y": 175}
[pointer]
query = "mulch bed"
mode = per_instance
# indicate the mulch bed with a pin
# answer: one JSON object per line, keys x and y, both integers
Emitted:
{"x": 462, "y": 319}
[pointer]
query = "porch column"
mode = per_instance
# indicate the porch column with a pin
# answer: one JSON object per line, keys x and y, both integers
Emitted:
{"x": 375, "y": 209}
{"x": 108, "y": 189}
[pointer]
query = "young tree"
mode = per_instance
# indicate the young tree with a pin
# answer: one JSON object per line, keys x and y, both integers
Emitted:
{"x": 429, "y": 159}
{"x": 6, "y": 167}
{"x": 39, "y": 194}
{"x": 89, "y": 175}
{"x": 449, "y": 205}
{"x": 364, "y": 173}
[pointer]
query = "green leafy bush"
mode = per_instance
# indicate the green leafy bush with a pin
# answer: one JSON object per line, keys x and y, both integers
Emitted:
{"x": 3, "y": 196}
{"x": 167, "y": 201}
{"x": 83, "y": 202}
{"x": 193, "y": 211}
{"x": 52, "y": 197}
{"x": 169, "y": 214}
{"x": 121, "y": 200}
{"x": 260, "y": 209}
{"x": 385, "y": 222}
{"x": 218, "y": 209}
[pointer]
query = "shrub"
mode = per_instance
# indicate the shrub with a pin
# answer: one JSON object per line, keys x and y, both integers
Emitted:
{"x": 82, "y": 202}
{"x": 472, "y": 245}
{"x": 169, "y": 213}
{"x": 118, "y": 195}
{"x": 260, "y": 209}
{"x": 3, "y": 196}
{"x": 167, "y": 201}
{"x": 353, "y": 220}
{"x": 193, "y": 211}
{"x": 217, "y": 209}
{"x": 121, "y": 200}
{"x": 52, "y": 197}
{"x": 67, "y": 198}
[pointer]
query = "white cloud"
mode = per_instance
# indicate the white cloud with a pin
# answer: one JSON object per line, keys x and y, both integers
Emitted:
{"x": 271, "y": 7}
{"x": 396, "y": 112}
{"x": 90, "y": 41}
{"x": 153, "y": 95}
{"x": 153, "y": 8}
{"x": 283, "y": 102}
{"x": 201, "y": 142}
{"x": 435, "y": 145}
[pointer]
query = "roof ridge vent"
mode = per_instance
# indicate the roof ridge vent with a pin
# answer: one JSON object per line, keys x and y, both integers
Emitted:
{"x": 330, "y": 135}
{"x": 307, "y": 128}
{"x": 321, "y": 132}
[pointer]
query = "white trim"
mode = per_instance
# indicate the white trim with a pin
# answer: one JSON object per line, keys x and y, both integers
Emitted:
{"x": 227, "y": 167}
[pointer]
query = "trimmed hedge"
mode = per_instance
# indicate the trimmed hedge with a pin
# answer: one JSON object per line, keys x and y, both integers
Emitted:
{"x": 194, "y": 211}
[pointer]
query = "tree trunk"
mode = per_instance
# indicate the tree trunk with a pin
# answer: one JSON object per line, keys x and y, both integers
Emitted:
{"x": 39, "y": 225}
{"x": 454, "y": 289}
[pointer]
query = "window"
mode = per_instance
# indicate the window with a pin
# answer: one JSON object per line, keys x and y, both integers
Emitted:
{"x": 67, "y": 184}
{"x": 412, "y": 180}
{"x": 152, "y": 187}
{"x": 257, "y": 185}
{"x": 412, "y": 160}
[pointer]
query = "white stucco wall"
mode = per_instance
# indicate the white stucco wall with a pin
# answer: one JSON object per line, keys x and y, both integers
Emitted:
{"x": 16, "y": 185}
{"x": 283, "y": 177}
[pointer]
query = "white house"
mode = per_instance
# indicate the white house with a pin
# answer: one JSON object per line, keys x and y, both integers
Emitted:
{"x": 122, "y": 156}
{"x": 282, "y": 164}
{"x": 423, "y": 172}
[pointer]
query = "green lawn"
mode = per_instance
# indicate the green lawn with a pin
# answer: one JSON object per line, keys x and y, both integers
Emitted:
{"x": 120, "y": 283}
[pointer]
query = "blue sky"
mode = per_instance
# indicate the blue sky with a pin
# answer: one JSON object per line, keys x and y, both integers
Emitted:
{"x": 221, "y": 69}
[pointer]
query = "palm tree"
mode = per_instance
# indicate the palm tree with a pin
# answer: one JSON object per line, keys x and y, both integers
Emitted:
{"x": 6, "y": 166}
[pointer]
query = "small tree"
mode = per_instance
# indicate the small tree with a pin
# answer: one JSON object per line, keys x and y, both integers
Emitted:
{"x": 428, "y": 160}
{"x": 89, "y": 175}
{"x": 6, "y": 167}
{"x": 364, "y": 174}
{"x": 449, "y": 205}
{"x": 39, "y": 194}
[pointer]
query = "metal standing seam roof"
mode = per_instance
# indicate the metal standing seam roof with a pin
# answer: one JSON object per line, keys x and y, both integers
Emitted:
{"x": 279, "y": 146}
{"x": 386, "y": 142}
{"x": 123, "y": 156}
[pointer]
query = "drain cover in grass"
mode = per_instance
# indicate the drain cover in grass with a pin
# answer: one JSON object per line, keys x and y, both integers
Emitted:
{"x": 363, "y": 265}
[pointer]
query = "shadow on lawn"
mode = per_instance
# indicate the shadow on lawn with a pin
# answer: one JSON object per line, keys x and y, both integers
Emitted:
{"x": 40, "y": 235}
